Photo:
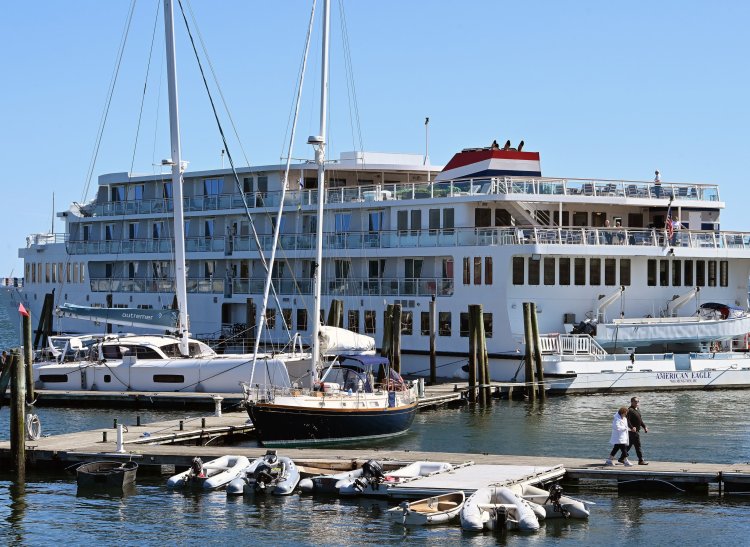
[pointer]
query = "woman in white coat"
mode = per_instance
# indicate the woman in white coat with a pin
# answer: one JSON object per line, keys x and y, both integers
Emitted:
{"x": 620, "y": 437}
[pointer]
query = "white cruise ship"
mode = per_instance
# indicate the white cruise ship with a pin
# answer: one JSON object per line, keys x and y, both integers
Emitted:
{"x": 487, "y": 229}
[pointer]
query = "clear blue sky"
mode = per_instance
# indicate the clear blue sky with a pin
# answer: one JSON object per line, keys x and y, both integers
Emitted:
{"x": 601, "y": 89}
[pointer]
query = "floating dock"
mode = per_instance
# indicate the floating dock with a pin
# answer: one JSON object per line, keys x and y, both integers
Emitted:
{"x": 156, "y": 444}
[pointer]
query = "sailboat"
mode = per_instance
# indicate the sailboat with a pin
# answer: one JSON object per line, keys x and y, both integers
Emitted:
{"x": 351, "y": 399}
{"x": 158, "y": 362}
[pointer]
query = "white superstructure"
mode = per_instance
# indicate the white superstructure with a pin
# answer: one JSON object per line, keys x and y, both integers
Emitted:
{"x": 501, "y": 236}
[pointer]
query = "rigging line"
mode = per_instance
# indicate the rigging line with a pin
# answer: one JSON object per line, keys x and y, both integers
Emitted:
{"x": 108, "y": 102}
{"x": 216, "y": 81}
{"x": 277, "y": 227}
{"x": 350, "y": 87}
{"x": 226, "y": 147}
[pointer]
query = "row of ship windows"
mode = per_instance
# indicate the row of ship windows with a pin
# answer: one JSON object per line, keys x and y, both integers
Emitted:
{"x": 444, "y": 322}
{"x": 598, "y": 271}
{"x": 54, "y": 272}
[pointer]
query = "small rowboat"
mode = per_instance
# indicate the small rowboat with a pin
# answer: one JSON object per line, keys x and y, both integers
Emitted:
{"x": 106, "y": 474}
{"x": 434, "y": 510}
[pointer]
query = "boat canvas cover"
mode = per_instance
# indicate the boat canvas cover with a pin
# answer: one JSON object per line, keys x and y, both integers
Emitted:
{"x": 132, "y": 317}
{"x": 335, "y": 340}
{"x": 491, "y": 163}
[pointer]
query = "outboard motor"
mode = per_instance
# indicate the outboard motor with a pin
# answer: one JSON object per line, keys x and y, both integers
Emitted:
{"x": 555, "y": 493}
{"x": 372, "y": 473}
{"x": 262, "y": 476}
{"x": 585, "y": 327}
{"x": 196, "y": 468}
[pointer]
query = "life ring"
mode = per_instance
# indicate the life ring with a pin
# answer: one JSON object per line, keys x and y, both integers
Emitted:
{"x": 33, "y": 427}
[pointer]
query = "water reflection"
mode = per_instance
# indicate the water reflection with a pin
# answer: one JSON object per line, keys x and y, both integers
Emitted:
{"x": 17, "y": 495}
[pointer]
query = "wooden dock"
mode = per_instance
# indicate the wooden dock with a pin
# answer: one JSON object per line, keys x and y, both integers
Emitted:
{"x": 153, "y": 444}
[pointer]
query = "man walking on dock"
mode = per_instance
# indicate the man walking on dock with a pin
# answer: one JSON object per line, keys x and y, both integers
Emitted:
{"x": 635, "y": 422}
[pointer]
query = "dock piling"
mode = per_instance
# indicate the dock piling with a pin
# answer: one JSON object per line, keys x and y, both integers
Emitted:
{"x": 433, "y": 341}
{"x": 529, "y": 355}
{"x": 18, "y": 414}
{"x": 472, "y": 359}
{"x": 537, "y": 352}
{"x": 120, "y": 443}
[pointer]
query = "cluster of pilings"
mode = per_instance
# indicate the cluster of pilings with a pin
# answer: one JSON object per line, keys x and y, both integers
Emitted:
{"x": 533, "y": 358}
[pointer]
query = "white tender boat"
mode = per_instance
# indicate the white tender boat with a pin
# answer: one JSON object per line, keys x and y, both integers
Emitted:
{"x": 328, "y": 484}
{"x": 433, "y": 510}
{"x": 555, "y": 504}
{"x": 375, "y": 482}
{"x": 210, "y": 475}
{"x": 493, "y": 508}
{"x": 270, "y": 474}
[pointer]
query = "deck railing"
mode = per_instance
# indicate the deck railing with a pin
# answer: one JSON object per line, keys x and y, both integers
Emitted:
{"x": 519, "y": 186}
{"x": 404, "y": 287}
{"x": 424, "y": 238}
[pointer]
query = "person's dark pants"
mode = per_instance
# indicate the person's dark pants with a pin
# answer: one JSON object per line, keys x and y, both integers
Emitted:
{"x": 635, "y": 440}
{"x": 623, "y": 448}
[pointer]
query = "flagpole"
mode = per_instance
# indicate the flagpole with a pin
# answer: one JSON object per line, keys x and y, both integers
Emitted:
{"x": 427, "y": 146}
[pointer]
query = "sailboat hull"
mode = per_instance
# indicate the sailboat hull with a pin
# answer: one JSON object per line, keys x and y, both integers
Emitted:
{"x": 279, "y": 425}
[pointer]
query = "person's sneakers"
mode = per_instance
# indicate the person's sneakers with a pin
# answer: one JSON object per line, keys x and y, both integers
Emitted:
{"x": 641, "y": 462}
{"x": 608, "y": 462}
{"x": 627, "y": 463}
{"x": 621, "y": 460}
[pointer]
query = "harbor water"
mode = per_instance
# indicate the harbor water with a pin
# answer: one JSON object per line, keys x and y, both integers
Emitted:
{"x": 683, "y": 426}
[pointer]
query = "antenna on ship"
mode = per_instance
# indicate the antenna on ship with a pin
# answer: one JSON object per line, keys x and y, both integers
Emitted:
{"x": 427, "y": 146}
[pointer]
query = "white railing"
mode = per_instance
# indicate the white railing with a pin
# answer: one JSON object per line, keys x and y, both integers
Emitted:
{"x": 571, "y": 344}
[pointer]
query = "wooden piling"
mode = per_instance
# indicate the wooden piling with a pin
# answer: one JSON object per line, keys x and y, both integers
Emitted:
{"x": 386, "y": 348}
{"x": 28, "y": 355}
{"x": 18, "y": 414}
{"x": 529, "y": 355}
{"x": 482, "y": 357}
{"x": 476, "y": 335}
{"x": 537, "y": 352}
{"x": 433, "y": 341}
{"x": 396, "y": 339}
{"x": 472, "y": 359}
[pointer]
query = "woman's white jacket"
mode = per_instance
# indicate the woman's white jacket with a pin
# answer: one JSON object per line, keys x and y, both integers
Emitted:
{"x": 619, "y": 429}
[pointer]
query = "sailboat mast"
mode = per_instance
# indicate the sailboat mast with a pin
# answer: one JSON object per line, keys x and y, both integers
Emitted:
{"x": 320, "y": 157}
{"x": 176, "y": 163}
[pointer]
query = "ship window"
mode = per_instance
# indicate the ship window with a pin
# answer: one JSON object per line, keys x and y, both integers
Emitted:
{"x": 610, "y": 271}
{"x": 402, "y": 222}
{"x": 467, "y": 272}
{"x": 488, "y": 270}
{"x": 424, "y": 323}
{"x": 434, "y": 219}
{"x": 86, "y": 232}
{"x": 565, "y": 218}
{"x": 407, "y": 322}
{"x": 169, "y": 378}
{"x": 534, "y": 265}
{"x": 711, "y": 273}
{"x": 482, "y": 217}
{"x": 597, "y": 219}
{"x": 53, "y": 378}
{"x": 444, "y": 323}
{"x": 579, "y": 271}
{"x": 724, "y": 273}
{"x": 107, "y": 378}
{"x": 700, "y": 273}
{"x": 651, "y": 272}
{"x": 580, "y": 218}
{"x": 212, "y": 187}
{"x": 676, "y": 274}
{"x": 448, "y": 222}
{"x": 286, "y": 317}
{"x": 247, "y": 185}
{"x": 463, "y": 326}
{"x": 352, "y": 320}
{"x": 343, "y": 222}
{"x": 118, "y": 193}
{"x": 663, "y": 273}
{"x": 143, "y": 352}
{"x": 635, "y": 220}
{"x": 564, "y": 271}
{"x": 416, "y": 221}
{"x": 487, "y": 317}
{"x": 625, "y": 271}
{"x": 518, "y": 263}
{"x": 370, "y": 320}
{"x": 302, "y": 319}
{"x": 595, "y": 271}
{"x": 503, "y": 218}
{"x": 477, "y": 270}
{"x": 688, "y": 273}
{"x": 549, "y": 270}
{"x": 111, "y": 352}
{"x": 270, "y": 318}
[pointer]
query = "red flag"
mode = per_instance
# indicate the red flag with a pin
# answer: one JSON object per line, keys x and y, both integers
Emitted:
{"x": 22, "y": 310}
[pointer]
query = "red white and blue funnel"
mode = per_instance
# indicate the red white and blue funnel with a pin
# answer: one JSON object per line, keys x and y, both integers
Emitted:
{"x": 491, "y": 162}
